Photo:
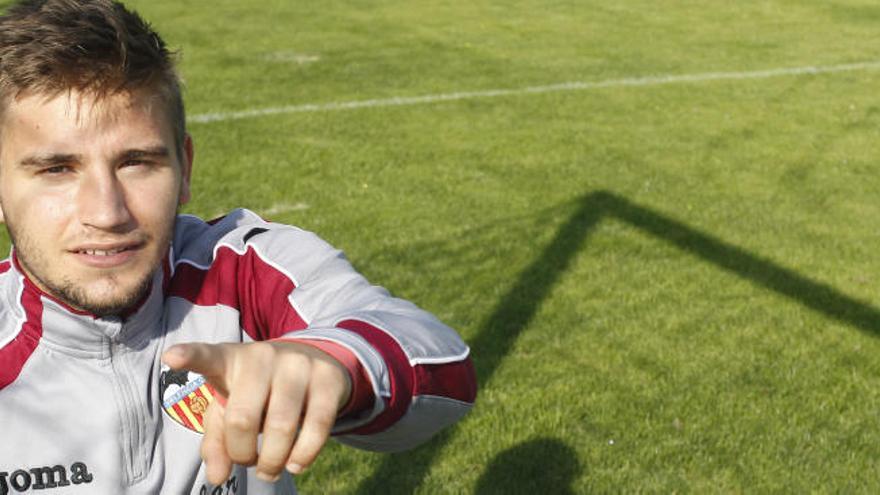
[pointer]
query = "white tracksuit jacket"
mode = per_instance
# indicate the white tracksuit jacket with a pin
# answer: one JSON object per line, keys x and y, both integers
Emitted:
{"x": 87, "y": 407}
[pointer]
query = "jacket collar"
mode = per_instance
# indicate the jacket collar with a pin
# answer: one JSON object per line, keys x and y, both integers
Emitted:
{"x": 67, "y": 328}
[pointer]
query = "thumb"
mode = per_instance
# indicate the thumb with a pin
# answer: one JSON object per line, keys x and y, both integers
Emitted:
{"x": 209, "y": 360}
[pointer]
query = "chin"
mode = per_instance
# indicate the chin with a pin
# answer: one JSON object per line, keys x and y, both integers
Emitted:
{"x": 106, "y": 297}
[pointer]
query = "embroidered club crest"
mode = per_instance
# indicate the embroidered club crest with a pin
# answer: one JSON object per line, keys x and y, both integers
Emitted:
{"x": 185, "y": 397}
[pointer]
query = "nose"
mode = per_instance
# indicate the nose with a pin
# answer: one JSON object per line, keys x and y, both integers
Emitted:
{"x": 102, "y": 202}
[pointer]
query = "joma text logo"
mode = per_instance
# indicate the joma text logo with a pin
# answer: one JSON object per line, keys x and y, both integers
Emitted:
{"x": 40, "y": 478}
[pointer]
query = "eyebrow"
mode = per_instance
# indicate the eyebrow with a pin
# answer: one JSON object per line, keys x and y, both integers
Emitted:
{"x": 151, "y": 152}
{"x": 54, "y": 159}
{"x": 48, "y": 160}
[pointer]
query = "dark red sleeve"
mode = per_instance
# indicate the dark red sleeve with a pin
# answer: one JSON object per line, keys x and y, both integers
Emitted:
{"x": 244, "y": 282}
{"x": 455, "y": 380}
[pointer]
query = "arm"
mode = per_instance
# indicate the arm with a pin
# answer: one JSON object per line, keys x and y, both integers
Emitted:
{"x": 292, "y": 285}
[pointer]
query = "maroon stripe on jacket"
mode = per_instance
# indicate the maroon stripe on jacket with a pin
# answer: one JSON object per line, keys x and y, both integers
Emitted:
{"x": 246, "y": 283}
{"x": 455, "y": 380}
{"x": 15, "y": 354}
{"x": 400, "y": 374}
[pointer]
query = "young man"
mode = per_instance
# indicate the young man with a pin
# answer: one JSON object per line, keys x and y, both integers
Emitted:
{"x": 142, "y": 351}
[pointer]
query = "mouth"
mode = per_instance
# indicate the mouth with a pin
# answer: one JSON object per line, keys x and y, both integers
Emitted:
{"x": 105, "y": 256}
{"x": 104, "y": 252}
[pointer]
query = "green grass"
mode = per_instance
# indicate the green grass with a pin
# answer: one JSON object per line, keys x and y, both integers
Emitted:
{"x": 616, "y": 352}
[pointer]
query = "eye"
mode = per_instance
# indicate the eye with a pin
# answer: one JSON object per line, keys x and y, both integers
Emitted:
{"x": 145, "y": 163}
{"x": 55, "y": 170}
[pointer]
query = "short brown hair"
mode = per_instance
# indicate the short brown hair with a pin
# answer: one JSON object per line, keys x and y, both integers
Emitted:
{"x": 93, "y": 46}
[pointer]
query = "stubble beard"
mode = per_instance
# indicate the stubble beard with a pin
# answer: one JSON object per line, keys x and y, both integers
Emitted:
{"x": 75, "y": 294}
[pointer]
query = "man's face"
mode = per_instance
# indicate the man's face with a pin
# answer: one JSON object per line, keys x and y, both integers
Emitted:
{"x": 89, "y": 192}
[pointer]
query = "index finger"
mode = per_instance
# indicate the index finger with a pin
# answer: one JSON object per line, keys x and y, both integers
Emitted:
{"x": 209, "y": 360}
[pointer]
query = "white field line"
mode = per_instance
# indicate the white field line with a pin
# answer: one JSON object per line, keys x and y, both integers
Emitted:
{"x": 273, "y": 210}
{"x": 285, "y": 208}
{"x": 550, "y": 88}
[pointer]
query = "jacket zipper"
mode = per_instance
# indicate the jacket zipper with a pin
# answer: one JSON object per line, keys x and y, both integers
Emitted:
{"x": 129, "y": 406}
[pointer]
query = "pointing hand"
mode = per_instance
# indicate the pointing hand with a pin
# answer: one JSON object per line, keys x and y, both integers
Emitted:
{"x": 286, "y": 391}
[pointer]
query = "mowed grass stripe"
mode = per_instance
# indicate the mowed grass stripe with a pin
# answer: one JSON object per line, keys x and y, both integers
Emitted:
{"x": 550, "y": 88}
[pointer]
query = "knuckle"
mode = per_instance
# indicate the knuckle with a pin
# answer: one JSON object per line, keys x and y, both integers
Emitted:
{"x": 323, "y": 421}
{"x": 278, "y": 426}
{"x": 298, "y": 362}
{"x": 262, "y": 350}
{"x": 294, "y": 372}
{"x": 242, "y": 419}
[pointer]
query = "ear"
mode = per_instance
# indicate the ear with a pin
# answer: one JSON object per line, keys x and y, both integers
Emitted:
{"x": 186, "y": 163}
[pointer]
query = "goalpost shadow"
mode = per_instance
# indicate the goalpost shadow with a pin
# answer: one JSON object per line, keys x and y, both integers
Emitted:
{"x": 519, "y": 305}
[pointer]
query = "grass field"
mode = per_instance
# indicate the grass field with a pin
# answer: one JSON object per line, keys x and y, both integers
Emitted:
{"x": 668, "y": 285}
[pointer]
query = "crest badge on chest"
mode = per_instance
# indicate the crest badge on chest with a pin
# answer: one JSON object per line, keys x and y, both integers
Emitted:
{"x": 185, "y": 397}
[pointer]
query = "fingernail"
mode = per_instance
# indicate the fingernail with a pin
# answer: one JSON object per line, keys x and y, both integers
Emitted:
{"x": 267, "y": 477}
{"x": 295, "y": 468}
